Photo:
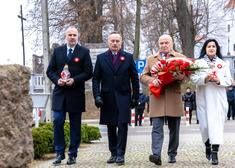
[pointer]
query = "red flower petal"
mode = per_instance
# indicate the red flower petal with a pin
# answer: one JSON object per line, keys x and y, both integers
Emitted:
{"x": 163, "y": 61}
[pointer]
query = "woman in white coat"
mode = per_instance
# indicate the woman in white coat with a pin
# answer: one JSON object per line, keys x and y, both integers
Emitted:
{"x": 211, "y": 99}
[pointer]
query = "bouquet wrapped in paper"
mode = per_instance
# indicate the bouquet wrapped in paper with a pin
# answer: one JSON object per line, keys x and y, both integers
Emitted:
{"x": 165, "y": 69}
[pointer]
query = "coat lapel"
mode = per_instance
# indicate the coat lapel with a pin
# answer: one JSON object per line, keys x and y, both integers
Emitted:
{"x": 108, "y": 60}
{"x": 65, "y": 53}
{"x": 121, "y": 60}
{"x": 75, "y": 52}
{"x": 157, "y": 57}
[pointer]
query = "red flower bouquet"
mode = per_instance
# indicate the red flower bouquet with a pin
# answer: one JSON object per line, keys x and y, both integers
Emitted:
{"x": 165, "y": 69}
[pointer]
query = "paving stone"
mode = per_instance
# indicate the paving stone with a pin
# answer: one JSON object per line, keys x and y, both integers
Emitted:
{"x": 191, "y": 152}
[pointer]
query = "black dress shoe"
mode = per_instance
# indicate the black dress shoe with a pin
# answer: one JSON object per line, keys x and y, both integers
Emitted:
{"x": 120, "y": 160}
{"x": 208, "y": 153}
{"x": 171, "y": 159}
{"x": 215, "y": 159}
{"x": 71, "y": 160}
{"x": 155, "y": 159}
{"x": 112, "y": 159}
{"x": 58, "y": 159}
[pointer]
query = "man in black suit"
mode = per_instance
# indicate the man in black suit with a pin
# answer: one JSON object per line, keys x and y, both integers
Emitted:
{"x": 69, "y": 96}
{"x": 115, "y": 78}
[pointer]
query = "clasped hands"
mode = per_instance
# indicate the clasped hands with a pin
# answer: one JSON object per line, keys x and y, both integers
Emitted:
{"x": 209, "y": 78}
{"x": 177, "y": 76}
{"x": 69, "y": 82}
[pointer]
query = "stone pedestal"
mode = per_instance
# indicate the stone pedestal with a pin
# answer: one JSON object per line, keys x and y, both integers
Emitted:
{"x": 16, "y": 142}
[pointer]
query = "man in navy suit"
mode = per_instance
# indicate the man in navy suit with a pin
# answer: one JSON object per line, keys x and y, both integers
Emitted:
{"x": 69, "y": 96}
{"x": 115, "y": 78}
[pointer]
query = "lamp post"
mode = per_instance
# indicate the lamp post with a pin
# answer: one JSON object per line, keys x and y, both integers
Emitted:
{"x": 22, "y": 29}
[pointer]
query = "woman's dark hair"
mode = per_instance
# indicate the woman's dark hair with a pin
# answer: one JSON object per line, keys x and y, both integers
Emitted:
{"x": 203, "y": 50}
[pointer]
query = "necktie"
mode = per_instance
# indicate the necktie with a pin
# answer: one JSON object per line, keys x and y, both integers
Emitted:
{"x": 114, "y": 55}
{"x": 165, "y": 55}
{"x": 70, "y": 53}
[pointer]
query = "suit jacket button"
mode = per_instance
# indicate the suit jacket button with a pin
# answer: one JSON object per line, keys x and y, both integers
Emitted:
{"x": 115, "y": 76}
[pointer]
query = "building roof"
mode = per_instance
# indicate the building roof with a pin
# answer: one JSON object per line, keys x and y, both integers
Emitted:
{"x": 231, "y": 4}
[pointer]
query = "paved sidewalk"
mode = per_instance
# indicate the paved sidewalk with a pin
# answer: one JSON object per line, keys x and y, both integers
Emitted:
{"x": 190, "y": 152}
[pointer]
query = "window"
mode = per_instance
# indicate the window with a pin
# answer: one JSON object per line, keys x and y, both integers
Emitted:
{"x": 228, "y": 28}
{"x": 233, "y": 47}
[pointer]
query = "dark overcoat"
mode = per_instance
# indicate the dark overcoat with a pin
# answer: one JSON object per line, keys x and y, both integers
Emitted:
{"x": 115, "y": 86}
{"x": 188, "y": 99}
{"x": 80, "y": 68}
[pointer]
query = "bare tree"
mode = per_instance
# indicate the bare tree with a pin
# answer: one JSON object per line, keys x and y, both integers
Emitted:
{"x": 137, "y": 30}
{"x": 186, "y": 28}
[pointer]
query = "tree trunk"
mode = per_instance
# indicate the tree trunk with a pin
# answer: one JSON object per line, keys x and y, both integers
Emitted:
{"x": 122, "y": 27}
{"x": 186, "y": 28}
{"x": 114, "y": 13}
{"x": 99, "y": 16}
{"x": 137, "y": 30}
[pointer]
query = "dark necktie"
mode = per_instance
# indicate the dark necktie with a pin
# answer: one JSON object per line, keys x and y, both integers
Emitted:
{"x": 114, "y": 56}
{"x": 165, "y": 55}
{"x": 70, "y": 53}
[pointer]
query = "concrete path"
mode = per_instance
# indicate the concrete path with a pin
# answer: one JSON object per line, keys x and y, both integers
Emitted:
{"x": 190, "y": 152}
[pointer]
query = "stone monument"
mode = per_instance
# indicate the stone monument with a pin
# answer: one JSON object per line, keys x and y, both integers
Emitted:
{"x": 16, "y": 106}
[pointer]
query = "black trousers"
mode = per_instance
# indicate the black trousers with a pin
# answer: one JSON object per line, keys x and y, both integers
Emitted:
{"x": 138, "y": 113}
{"x": 117, "y": 137}
{"x": 231, "y": 105}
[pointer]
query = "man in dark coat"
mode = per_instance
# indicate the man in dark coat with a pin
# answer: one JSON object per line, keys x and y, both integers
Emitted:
{"x": 231, "y": 99}
{"x": 188, "y": 99}
{"x": 139, "y": 110}
{"x": 115, "y": 77}
{"x": 69, "y": 96}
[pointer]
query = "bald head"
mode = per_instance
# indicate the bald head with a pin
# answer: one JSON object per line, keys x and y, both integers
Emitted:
{"x": 165, "y": 36}
{"x": 71, "y": 36}
{"x": 165, "y": 43}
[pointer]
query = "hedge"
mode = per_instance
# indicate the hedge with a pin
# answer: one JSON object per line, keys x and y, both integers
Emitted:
{"x": 43, "y": 138}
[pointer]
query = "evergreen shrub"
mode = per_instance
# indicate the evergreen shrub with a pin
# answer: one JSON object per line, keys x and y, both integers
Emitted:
{"x": 43, "y": 138}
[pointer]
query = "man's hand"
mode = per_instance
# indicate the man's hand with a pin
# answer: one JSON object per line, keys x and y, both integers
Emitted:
{"x": 179, "y": 76}
{"x": 156, "y": 82}
{"x": 70, "y": 82}
{"x": 134, "y": 103}
{"x": 98, "y": 101}
{"x": 60, "y": 82}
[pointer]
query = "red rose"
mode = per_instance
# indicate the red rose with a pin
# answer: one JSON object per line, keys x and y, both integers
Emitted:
{"x": 172, "y": 68}
{"x": 166, "y": 69}
{"x": 163, "y": 61}
{"x": 171, "y": 64}
{"x": 182, "y": 68}
{"x": 181, "y": 62}
{"x": 187, "y": 64}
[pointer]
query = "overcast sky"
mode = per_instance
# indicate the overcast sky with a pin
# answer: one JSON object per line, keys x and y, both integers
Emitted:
{"x": 11, "y": 35}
